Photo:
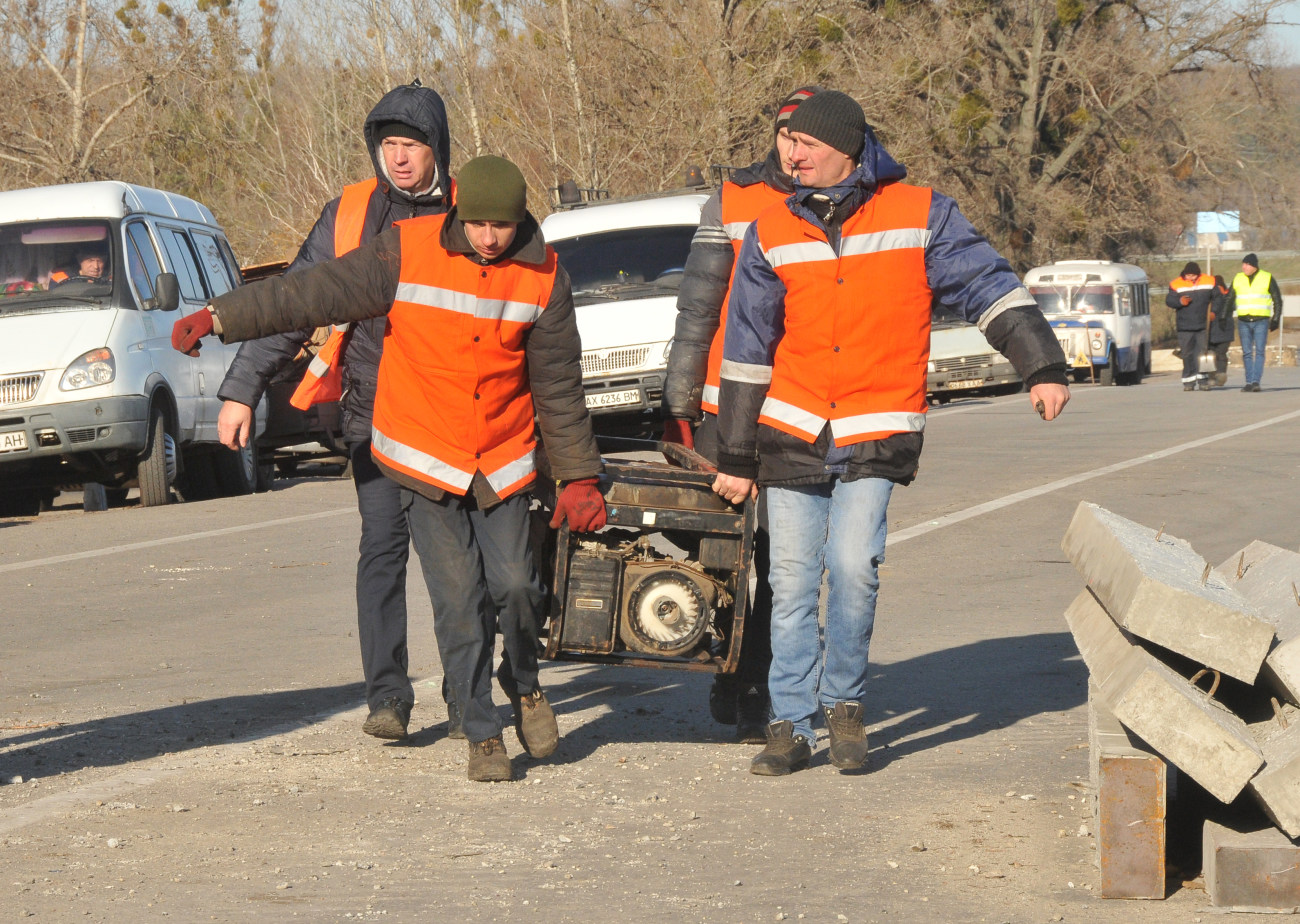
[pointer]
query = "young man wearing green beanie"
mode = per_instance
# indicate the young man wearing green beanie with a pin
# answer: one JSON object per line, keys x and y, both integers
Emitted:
{"x": 482, "y": 339}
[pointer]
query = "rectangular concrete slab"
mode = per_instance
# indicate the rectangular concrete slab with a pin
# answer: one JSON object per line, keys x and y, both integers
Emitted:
{"x": 1156, "y": 587}
{"x": 1196, "y": 734}
{"x": 1269, "y": 577}
{"x": 1250, "y": 870}
{"x": 1130, "y": 783}
{"x": 1277, "y": 786}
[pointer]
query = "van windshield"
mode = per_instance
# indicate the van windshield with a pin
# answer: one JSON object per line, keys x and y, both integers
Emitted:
{"x": 1074, "y": 299}
{"x": 628, "y": 263}
{"x": 51, "y": 263}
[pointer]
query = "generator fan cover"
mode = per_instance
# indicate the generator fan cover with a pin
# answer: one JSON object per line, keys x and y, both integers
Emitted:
{"x": 667, "y": 613}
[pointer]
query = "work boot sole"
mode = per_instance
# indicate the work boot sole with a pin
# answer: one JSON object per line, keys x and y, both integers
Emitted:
{"x": 494, "y": 771}
{"x": 386, "y": 724}
{"x": 776, "y": 768}
{"x": 536, "y": 728}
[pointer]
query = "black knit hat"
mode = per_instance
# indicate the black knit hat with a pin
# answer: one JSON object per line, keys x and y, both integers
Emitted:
{"x": 791, "y": 103}
{"x": 833, "y": 118}
{"x": 1251, "y": 260}
{"x": 1191, "y": 269}
{"x": 399, "y": 130}
{"x": 491, "y": 188}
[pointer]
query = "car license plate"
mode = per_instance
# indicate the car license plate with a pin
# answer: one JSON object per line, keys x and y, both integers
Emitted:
{"x": 605, "y": 399}
{"x": 965, "y": 383}
{"x": 13, "y": 440}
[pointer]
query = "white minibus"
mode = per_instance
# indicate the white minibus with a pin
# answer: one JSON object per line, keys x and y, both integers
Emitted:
{"x": 1101, "y": 314}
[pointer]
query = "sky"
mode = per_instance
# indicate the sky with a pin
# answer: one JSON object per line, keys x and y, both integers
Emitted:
{"x": 1288, "y": 36}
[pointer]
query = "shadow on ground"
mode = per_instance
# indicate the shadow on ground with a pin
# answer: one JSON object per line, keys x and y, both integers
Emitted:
{"x": 123, "y": 739}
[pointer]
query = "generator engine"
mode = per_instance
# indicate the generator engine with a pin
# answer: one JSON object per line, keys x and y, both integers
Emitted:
{"x": 664, "y": 584}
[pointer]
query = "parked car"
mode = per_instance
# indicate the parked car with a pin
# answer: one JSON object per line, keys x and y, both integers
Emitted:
{"x": 963, "y": 364}
{"x": 625, "y": 258}
{"x": 1101, "y": 313}
{"x": 92, "y": 278}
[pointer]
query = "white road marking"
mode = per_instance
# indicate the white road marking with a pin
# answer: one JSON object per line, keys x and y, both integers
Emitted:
{"x": 1008, "y": 500}
{"x": 188, "y": 537}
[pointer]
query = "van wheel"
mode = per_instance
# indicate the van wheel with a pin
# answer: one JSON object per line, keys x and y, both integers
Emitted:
{"x": 157, "y": 469}
{"x": 236, "y": 470}
{"x": 1107, "y": 375}
{"x": 265, "y": 474}
{"x": 20, "y": 504}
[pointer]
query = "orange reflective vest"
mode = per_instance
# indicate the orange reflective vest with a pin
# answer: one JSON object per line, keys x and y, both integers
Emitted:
{"x": 1202, "y": 283}
{"x": 857, "y": 325}
{"x": 740, "y": 206}
{"x": 323, "y": 380}
{"x": 454, "y": 397}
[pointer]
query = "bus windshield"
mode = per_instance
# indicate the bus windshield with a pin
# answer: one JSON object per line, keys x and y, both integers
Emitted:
{"x": 1074, "y": 299}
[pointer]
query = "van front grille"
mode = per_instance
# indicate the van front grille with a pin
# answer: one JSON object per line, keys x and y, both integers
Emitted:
{"x": 19, "y": 389}
{"x": 964, "y": 364}
{"x": 606, "y": 362}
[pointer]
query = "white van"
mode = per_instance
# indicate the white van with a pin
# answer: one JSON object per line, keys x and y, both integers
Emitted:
{"x": 1101, "y": 313}
{"x": 962, "y": 362}
{"x": 626, "y": 259}
{"x": 92, "y": 278}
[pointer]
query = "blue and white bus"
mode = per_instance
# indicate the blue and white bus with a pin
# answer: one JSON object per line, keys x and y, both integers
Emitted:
{"x": 1101, "y": 313}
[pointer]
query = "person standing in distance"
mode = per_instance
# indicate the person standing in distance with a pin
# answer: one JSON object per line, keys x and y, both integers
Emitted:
{"x": 1257, "y": 301}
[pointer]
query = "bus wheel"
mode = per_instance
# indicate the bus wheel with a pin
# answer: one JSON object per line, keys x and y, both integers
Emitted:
{"x": 1108, "y": 375}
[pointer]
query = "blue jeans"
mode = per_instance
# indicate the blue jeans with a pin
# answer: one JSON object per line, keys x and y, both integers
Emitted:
{"x": 838, "y": 527}
{"x": 1254, "y": 334}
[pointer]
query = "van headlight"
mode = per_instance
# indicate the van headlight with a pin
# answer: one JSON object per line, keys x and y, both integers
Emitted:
{"x": 929, "y": 366}
{"x": 1098, "y": 343}
{"x": 89, "y": 369}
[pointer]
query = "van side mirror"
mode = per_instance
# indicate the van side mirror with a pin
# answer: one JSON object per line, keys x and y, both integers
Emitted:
{"x": 167, "y": 293}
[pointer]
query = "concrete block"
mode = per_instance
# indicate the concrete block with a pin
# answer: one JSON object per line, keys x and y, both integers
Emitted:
{"x": 1131, "y": 807}
{"x": 1250, "y": 870}
{"x": 1277, "y": 786}
{"x": 1196, "y": 734}
{"x": 1157, "y": 587}
{"x": 1268, "y": 577}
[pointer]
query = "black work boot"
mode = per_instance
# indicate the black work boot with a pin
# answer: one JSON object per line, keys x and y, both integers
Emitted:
{"x": 454, "y": 720}
{"x": 722, "y": 699}
{"x": 752, "y": 707}
{"x": 535, "y": 723}
{"x": 785, "y": 751}
{"x": 488, "y": 762}
{"x": 389, "y": 719}
{"x": 848, "y": 736}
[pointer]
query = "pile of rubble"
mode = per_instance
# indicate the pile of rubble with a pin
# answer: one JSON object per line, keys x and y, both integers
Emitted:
{"x": 1155, "y": 625}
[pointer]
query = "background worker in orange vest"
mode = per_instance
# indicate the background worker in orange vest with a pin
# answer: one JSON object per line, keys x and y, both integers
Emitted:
{"x": 691, "y": 391}
{"x": 1190, "y": 295}
{"x": 482, "y": 340}
{"x": 406, "y": 134}
{"x": 822, "y": 397}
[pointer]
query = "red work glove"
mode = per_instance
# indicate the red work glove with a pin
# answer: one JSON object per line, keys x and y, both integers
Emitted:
{"x": 581, "y": 504}
{"x": 1186, "y": 299}
{"x": 187, "y": 332}
{"x": 678, "y": 431}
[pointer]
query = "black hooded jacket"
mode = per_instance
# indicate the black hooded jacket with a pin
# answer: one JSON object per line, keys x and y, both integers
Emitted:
{"x": 258, "y": 361}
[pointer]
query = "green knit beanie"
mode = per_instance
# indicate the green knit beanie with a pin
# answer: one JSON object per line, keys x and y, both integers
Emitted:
{"x": 491, "y": 188}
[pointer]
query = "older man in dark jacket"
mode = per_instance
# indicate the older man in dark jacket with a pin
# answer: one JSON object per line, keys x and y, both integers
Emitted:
{"x": 406, "y": 135}
{"x": 482, "y": 336}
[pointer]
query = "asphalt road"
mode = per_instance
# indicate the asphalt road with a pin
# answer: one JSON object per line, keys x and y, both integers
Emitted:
{"x": 180, "y": 700}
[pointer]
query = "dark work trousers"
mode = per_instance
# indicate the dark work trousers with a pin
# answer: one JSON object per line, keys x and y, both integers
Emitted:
{"x": 480, "y": 571}
{"x": 381, "y": 580}
{"x": 756, "y": 646}
{"x": 1191, "y": 344}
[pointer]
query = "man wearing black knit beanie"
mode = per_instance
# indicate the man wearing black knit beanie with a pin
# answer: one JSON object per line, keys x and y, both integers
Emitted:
{"x": 690, "y": 401}
{"x": 822, "y": 397}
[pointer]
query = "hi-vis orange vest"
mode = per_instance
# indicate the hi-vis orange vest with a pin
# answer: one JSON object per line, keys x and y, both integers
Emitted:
{"x": 740, "y": 206}
{"x": 324, "y": 378}
{"x": 454, "y": 397}
{"x": 857, "y": 325}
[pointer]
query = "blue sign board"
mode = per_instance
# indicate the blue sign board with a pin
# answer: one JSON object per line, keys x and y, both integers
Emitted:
{"x": 1218, "y": 222}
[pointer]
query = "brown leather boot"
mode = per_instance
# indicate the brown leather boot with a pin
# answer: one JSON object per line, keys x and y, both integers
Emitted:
{"x": 488, "y": 762}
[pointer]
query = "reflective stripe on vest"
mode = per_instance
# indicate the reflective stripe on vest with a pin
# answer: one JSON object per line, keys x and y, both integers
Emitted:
{"x": 453, "y": 396}
{"x": 1203, "y": 283}
{"x": 1253, "y": 297}
{"x": 323, "y": 380}
{"x": 740, "y": 205}
{"x": 857, "y": 325}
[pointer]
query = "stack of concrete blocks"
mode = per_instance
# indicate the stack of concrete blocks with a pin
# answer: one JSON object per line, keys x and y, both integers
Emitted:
{"x": 1149, "y": 593}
